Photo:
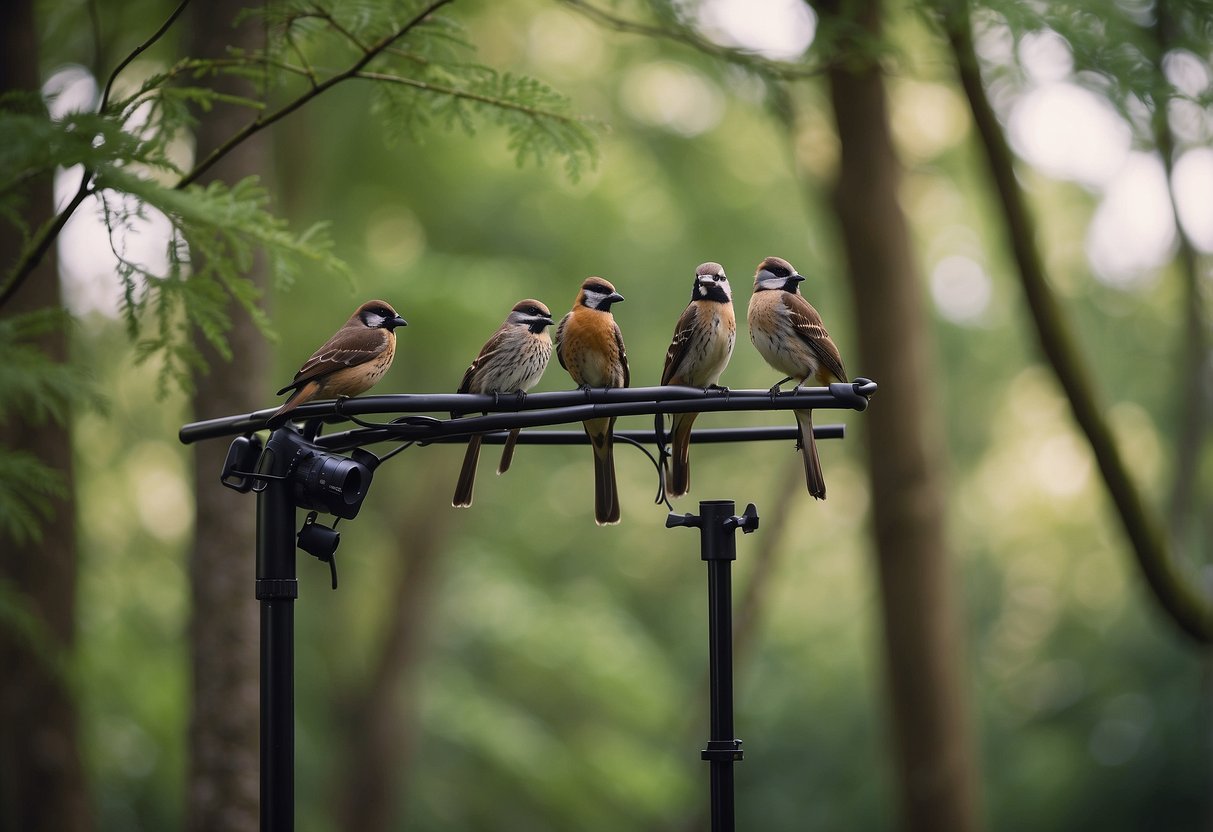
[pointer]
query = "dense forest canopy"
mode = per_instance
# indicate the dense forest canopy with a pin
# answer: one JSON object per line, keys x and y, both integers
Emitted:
{"x": 512, "y": 665}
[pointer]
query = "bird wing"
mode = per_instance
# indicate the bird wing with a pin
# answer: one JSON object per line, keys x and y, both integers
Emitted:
{"x": 623, "y": 354}
{"x": 560, "y": 339}
{"x": 811, "y": 329}
{"x": 681, "y": 344}
{"x": 348, "y": 348}
{"x": 490, "y": 348}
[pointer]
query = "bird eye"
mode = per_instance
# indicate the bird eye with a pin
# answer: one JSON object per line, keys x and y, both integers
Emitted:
{"x": 780, "y": 271}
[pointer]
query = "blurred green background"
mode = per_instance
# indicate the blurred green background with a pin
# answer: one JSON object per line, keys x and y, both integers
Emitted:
{"x": 561, "y": 672}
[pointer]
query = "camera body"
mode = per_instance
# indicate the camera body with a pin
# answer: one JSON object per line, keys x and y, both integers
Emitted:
{"x": 332, "y": 484}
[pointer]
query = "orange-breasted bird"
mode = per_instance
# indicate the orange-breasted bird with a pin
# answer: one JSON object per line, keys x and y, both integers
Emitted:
{"x": 790, "y": 334}
{"x": 590, "y": 346}
{"x": 699, "y": 352}
{"x": 349, "y": 363}
{"x": 511, "y": 361}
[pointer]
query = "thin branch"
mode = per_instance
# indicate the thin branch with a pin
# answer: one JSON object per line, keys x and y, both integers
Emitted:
{"x": 139, "y": 50}
{"x": 335, "y": 25}
{"x": 45, "y": 237}
{"x": 307, "y": 71}
{"x": 500, "y": 103}
{"x": 261, "y": 122}
{"x": 683, "y": 35}
{"x": 42, "y": 241}
{"x": 1178, "y": 596}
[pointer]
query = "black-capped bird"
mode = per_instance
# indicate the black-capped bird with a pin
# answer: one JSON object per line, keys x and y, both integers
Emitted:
{"x": 790, "y": 334}
{"x": 349, "y": 363}
{"x": 511, "y": 361}
{"x": 699, "y": 352}
{"x": 590, "y": 346}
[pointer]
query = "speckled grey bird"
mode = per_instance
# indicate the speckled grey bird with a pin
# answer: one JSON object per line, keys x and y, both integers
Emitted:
{"x": 511, "y": 361}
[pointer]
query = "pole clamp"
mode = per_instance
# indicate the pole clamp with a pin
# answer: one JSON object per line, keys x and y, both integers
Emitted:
{"x": 722, "y": 751}
{"x": 277, "y": 589}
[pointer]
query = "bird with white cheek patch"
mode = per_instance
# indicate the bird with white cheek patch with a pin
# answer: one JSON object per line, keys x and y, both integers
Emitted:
{"x": 349, "y": 363}
{"x": 590, "y": 346}
{"x": 699, "y": 352}
{"x": 791, "y": 336}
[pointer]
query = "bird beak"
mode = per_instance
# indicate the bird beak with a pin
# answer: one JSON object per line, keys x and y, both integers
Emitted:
{"x": 547, "y": 321}
{"x": 398, "y": 321}
{"x": 796, "y": 278}
{"x": 614, "y": 297}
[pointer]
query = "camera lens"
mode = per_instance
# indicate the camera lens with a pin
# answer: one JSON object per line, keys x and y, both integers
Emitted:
{"x": 331, "y": 484}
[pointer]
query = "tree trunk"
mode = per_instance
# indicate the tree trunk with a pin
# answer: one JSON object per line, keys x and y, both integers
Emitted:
{"x": 935, "y": 763}
{"x": 222, "y": 786}
{"x": 42, "y": 783}
{"x": 381, "y": 717}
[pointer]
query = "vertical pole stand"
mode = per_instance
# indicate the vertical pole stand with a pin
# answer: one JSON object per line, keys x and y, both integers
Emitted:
{"x": 277, "y": 590}
{"x": 717, "y": 525}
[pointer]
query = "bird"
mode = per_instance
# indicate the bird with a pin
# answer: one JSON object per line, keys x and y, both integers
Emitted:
{"x": 511, "y": 361}
{"x": 699, "y": 352}
{"x": 590, "y": 346}
{"x": 791, "y": 336}
{"x": 347, "y": 364}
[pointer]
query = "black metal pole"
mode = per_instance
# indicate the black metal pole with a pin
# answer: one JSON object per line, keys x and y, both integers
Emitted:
{"x": 277, "y": 589}
{"x": 719, "y": 550}
{"x": 717, "y": 542}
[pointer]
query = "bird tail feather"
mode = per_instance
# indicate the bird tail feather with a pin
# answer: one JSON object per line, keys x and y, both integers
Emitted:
{"x": 606, "y": 493}
{"x": 813, "y": 476}
{"x": 679, "y": 481}
{"x": 507, "y": 453}
{"x": 467, "y": 474}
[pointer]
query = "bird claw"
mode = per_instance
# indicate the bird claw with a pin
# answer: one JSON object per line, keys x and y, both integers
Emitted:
{"x": 519, "y": 397}
{"x": 775, "y": 390}
{"x": 720, "y": 389}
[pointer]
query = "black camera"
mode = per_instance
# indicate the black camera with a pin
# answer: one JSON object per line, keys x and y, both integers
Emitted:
{"x": 333, "y": 484}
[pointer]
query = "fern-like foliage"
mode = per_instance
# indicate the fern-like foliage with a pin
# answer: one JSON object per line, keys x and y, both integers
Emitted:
{"x": 418, "y": 58}
{"x": 38, "y": 388}
{"x": 425, "y": 75}
{"x": 423, "y": 65}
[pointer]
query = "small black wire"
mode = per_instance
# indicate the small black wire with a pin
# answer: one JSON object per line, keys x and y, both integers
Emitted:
{"x": 363, "y": 423}
{"x": 661, "y": 498}
{"x": 396, "y": 450}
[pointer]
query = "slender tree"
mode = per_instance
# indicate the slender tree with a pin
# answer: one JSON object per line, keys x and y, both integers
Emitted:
{"x": 935, "y": 762}
{"x": 1178, "y": 593}
{"x": 42, "y": 783}
{"x": 222, "y": 758}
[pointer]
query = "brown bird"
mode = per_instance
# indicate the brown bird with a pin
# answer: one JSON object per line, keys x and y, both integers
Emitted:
{"x": 790, "y": 334}
{"x": 701, "y": 348}
{"x": 511, "y": 361}
{"x": 349, "y": 363}
{"x": 590, "y": 346}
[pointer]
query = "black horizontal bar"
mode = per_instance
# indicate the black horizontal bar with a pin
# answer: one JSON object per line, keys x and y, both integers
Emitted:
{"x": 357, "y": 438}
{"x": 539, "y": 409}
